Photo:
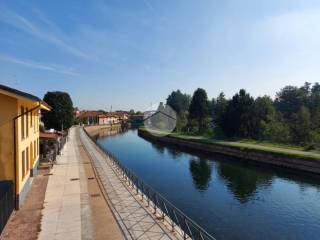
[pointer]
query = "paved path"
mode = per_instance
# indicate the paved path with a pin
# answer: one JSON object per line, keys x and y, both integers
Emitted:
{"x": 24, "y": 224}
{"x": 275, "y": 149}
{"x": 254, "y": 146}
{"x": 135, "y": 219}
{"x": 70, "y": 211}
{"x": 62, "y": 207}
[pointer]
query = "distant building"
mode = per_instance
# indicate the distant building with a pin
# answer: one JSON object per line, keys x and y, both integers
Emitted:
{"x": 108, "y": 118}
{"x": 89, "y": 117}
{"x": 113, "y": 118}
{"x": 19, "y": 138}
{"x": 122, "y": 116}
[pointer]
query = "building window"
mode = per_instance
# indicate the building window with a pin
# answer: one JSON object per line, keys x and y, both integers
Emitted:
{"x": 34, "y": 149}
{"x": 22, "y": 122}
{"x": 35, "y": 122}
{"x": 23, "y": 159}
{"x": 31, "y": 119}
{"x": 27, "y": 122}
{"x": 28, "y": 163}
{"x": 37, "y": 119}
{"x": 38, "y": 146}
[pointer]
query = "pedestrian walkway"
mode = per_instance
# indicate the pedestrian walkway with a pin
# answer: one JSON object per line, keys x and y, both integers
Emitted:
{"x": 62, "y": 210}
{"x": 134, "y": 219}
{"x": 70, "y": 209}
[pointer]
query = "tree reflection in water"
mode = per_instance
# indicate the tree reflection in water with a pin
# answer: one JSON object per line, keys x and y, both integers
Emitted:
{"x": 174, "y": 153}
{"x": 242, "y": 181}
{"x": 200, "y": 169}
{"x": 158, "y": 147}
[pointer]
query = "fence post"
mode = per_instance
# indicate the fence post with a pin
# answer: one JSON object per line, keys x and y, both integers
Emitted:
{"x": 155, "y": 204}
{"x": 142, "y": 191}
{"x": 172, "y": 225}
{"x": 184, "y": 231}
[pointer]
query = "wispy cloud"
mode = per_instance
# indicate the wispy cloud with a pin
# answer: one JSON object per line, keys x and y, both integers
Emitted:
{"x": 29, "y": 27}
{"x": 40, "y": 66}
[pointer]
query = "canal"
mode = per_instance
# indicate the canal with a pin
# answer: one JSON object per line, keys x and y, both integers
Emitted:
{"x": 231, "y": 199}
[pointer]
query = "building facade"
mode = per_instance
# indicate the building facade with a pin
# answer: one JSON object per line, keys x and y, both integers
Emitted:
{"x": 113, "y": 118}
{"x": 108, "y": 119}
{"x": 89, "y": 117}
{"x": 19, "y": 138}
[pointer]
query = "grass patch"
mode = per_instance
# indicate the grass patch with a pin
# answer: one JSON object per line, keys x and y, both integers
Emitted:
{"x": 248, "y": 144}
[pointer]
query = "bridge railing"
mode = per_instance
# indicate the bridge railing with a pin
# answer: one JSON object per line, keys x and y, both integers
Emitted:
{"x": 162, "y": 208}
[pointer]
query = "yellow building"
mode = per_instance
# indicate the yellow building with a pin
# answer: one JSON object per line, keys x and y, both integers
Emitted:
{"x": 19, "y": 138}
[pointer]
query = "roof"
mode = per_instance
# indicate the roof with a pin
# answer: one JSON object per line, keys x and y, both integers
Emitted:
{"x": 17, "y": 93}
{"x": 48, "y": 135}
{"x": 108, "y": 115}
{"x": 90, "y": 114}
{"x": 59, "y": 132}
{"x": 113, "y": 114}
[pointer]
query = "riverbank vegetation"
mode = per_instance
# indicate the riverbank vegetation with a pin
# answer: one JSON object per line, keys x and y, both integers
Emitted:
{"x": 291, "y": 119}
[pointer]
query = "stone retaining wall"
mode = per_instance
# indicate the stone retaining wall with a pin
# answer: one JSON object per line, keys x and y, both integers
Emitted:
{"x": 96, "y": 131}
{"x": 277, "y": 159}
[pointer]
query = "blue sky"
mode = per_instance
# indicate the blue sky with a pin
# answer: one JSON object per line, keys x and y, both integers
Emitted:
{"x": 131, "y": 53}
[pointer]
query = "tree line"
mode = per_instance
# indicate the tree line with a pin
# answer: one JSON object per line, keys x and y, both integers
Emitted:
{"x": 293, "y": 116}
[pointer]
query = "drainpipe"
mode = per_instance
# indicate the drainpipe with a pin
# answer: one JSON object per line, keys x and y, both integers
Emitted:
{"x": 15, "y": 153}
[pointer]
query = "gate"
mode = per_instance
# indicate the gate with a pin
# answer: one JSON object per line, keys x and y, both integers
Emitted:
{"x": 6, "y": 202}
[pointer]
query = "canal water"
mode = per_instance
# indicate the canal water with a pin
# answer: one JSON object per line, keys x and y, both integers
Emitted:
{"x": 231, "y": 199}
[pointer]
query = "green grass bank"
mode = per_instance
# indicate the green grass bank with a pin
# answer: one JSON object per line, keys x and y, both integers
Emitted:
{"x": 292, "y": 158}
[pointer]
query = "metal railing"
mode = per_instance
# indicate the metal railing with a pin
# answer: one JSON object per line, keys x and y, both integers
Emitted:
{"x": 162, "y": 208}
{"x": 6, "y": 202}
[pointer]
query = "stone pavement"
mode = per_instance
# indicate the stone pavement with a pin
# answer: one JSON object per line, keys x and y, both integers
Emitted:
{"x": 62, "y": 207}
{"x": 134, "y": 219}
{"x": 68, "y": 213}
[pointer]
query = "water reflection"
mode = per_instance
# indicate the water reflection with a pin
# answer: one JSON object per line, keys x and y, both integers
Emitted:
{"x": 243, "y": 182}
{"x": 158, "y": 147}
{"x": 231, "y": 198}
{"x": 200, "y": 170}
{"x": 106, "y": 132}
{"x": 174, "y": 153}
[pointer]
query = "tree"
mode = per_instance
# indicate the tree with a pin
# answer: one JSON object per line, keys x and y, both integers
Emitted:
{"x": 198, "y": 109}
{"x": 301, "y": 128}
{"x": 219, "y": 107}
{"x": 314, "y": 106}
{"x": 289, "y": 100}
{"x": 238, "y": 120}
{"x": 180, "y": 103}
{"x": 61, "y": 115}
{"x": 264, "y": 112}
{"x": 275, "y": 130}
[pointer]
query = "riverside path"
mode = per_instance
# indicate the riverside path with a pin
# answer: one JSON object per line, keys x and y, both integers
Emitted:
{"x": 86, "y": 199}
{"x": 74, "y": 208}
{"x": 134, "y": 218}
